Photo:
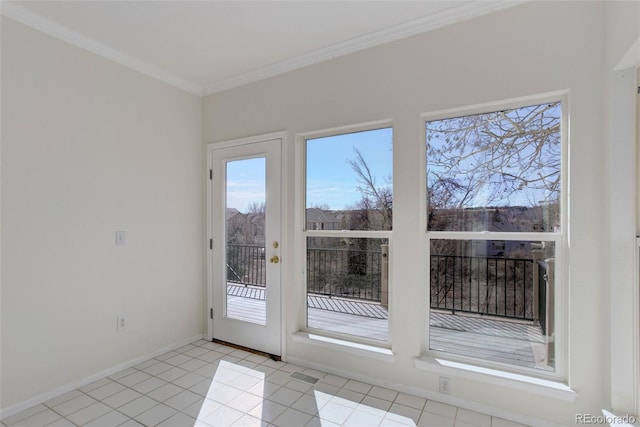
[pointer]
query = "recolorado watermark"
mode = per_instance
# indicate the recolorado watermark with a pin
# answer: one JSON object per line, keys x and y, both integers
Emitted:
{"x": 605, "y": 419}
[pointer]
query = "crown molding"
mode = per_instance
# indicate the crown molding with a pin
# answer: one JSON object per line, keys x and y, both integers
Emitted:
{"x": 455, "y": 14}
{"x": 24, "y": 16}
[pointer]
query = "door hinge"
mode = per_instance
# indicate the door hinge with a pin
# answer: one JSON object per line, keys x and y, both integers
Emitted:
{"x": 211, "y": 174}
{"x": 210, "y": 243}
{"x": 211, "y": 313}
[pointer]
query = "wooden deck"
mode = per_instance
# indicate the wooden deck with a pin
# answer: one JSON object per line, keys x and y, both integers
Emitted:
{"x": 350, "y": 324}
{"x": 247, "y": 309}
{"x": 515, "y": 343}
{"x": 505, "y": 341}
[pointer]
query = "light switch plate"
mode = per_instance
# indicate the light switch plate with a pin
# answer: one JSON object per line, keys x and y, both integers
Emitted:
{"x": 119, "y": 238}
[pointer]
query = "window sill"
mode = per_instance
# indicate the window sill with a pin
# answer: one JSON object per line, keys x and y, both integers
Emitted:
{"x": 521, "y": 382}
{"x": 355, "y": 348}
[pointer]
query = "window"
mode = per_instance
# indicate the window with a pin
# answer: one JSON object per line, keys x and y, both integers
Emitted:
{"x": 495, "y": 230}
{"x": 347, "y": 217}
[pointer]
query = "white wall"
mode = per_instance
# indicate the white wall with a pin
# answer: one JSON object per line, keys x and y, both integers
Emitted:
{"x": 531, "y": 49}
{"x": 90, "y": 147}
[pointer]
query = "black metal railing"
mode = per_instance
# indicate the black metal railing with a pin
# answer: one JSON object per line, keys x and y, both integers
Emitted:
{"x": 344, "y": 273}
{"x": 493, "y": 286}
{"x": 246, "y": 264}
{"x": 501, "y": 287}
{"x": 332, "y": 272}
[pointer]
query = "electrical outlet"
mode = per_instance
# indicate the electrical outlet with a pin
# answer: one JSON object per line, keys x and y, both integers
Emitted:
{"x": 122, "y": 323}
{"x": 445, "y": 386}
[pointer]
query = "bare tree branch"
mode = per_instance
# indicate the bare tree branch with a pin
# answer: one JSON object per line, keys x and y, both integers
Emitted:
{"x": 374, "y": 197}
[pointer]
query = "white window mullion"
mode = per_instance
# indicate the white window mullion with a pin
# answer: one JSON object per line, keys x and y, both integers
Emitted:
{"x": 484, "y": 235}
{"x": 348, "y": 234}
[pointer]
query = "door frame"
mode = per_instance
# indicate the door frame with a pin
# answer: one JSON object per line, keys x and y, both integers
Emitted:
{"x": 282, "y": 136}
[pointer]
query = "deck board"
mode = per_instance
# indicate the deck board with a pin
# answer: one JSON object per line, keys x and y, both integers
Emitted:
{"x": 350, "y": 324}
{"x": 247, "y": 309}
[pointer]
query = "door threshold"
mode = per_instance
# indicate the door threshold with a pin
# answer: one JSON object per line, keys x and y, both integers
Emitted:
{"x": 250, "y": 350}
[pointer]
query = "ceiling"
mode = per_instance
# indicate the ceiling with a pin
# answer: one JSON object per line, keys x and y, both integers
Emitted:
{"x": 209, "y": 46}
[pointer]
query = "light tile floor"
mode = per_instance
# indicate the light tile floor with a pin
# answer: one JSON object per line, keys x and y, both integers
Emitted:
{"x": 209, "y": 385}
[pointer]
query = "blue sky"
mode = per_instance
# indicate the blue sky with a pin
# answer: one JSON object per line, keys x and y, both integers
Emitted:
{"x": 245, "y": 183}
{"x": 330, "y": 179}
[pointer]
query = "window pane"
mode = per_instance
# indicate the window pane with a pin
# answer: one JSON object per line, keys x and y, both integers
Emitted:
{"x": 349, "y": 181}
{"x": 493, "y": 300}
{"x": 347, "y": 286}
{"x": 244, "y": 228}
{"x": 496, "y": 171}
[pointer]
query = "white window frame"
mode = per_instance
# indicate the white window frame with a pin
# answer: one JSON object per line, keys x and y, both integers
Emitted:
{"x": 302, "y": 232}
{"x": 559, "y": 238}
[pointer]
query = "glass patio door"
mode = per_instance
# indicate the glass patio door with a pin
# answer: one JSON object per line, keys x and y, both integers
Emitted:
{"x": 245, "y": 247}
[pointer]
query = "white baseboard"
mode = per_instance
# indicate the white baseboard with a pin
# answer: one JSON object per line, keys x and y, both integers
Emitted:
{"x": 430, "y": 395}
{"x": 7, "y": 412}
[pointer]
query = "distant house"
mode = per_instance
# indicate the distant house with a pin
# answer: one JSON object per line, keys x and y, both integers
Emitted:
{"x": 231, "y": 213}
{"x": 320, "y": 219}
{"x": 244, "y": 228}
